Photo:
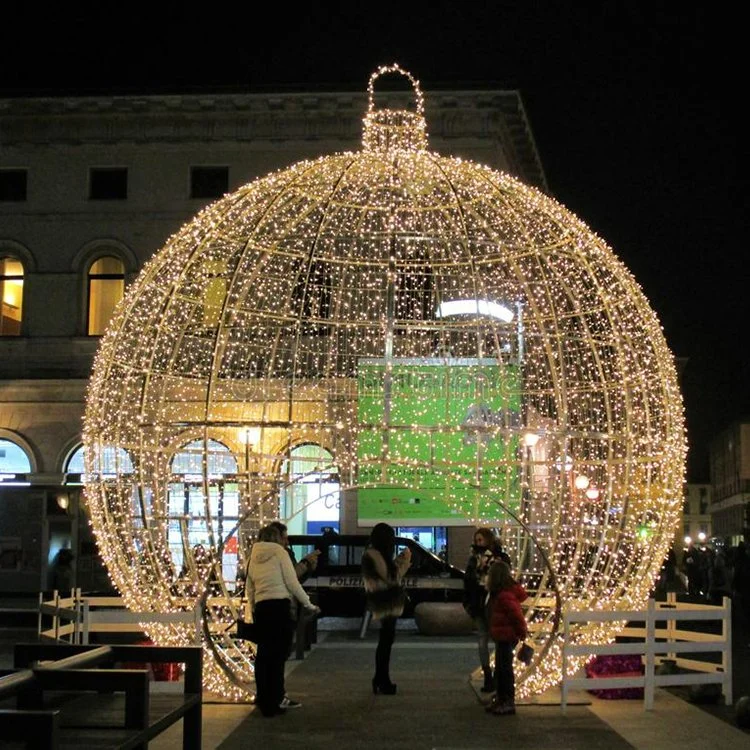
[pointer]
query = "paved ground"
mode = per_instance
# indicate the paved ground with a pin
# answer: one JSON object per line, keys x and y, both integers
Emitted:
{"x": 437, "y": 707}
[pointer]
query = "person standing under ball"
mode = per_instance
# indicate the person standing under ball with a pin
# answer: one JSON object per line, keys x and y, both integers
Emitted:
{"x": 507, "y": 627}
{"x": 271, "y": 585}
{"x": 382, "y": 575}
{"x": 484, "y": 552}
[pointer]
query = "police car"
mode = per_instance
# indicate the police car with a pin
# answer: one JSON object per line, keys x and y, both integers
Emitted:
{"x": 337, "y": 581}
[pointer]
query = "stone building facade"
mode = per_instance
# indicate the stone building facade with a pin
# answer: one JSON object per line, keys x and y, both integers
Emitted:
{"x": 696, "y": 516}
{"x": 90, "y": 188}
{"x": 729, "y": 464}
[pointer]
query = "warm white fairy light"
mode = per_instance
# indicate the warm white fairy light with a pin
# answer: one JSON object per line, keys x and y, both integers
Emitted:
{"x": 260, "y": 324}
{"x": 581, "y": 482}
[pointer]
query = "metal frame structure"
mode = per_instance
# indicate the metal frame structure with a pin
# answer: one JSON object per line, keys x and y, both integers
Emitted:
{"x": 256, "y": 318}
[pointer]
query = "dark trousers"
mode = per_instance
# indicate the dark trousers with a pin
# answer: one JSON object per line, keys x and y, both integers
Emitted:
{"x": 383, "y": 651}
{"x": 505, "y": 686}
{"x": 275, "y": 628}
{"x": 483, "y": 640}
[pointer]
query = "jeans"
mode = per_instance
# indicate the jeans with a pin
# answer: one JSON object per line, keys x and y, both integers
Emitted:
{"x": 505, "y": 687}
{"x": 483, "y": 642}
{"x": 383, "y": 651}
{"x": 275, "y": 629}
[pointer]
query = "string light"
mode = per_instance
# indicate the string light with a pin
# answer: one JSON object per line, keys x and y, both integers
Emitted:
{"x": 303, "y": 308}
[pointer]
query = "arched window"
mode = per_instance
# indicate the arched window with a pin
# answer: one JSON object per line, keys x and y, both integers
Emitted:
{"x": 111, "y": 461}
{"x": 106, "y": 285}
{"x": 195, "y": 518}
{"x": 13, "y": 458}
{"x": 11, "y": 294}
{"x": 310, "y": 497}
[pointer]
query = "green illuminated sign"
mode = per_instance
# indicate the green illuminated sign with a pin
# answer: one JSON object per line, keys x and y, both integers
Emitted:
{"x": 438, "y": 440}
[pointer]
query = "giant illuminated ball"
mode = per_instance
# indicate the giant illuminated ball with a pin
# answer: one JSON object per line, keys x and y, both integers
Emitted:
{"x": 464, "y": 349}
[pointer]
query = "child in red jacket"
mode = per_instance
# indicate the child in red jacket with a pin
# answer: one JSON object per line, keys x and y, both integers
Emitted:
{"x": 507, "y": 627}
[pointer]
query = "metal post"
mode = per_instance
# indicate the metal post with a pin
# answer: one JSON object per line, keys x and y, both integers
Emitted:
{"x": 650, "y": 645}
{"x": 300, "y": 637}
{"x": 564, "y": 684}
{"x": 197, "y": 624}
{"x": 390, "y": 314}
{"x": 85, "y": 629}
{"x": 726, "y": 655}
{"x": 365, "y": 623}
{"x": 672, "y": 623}
{"x": 77, "y": 604}
{"x": 192, "y": 723}
{"x": 56, "y": 620}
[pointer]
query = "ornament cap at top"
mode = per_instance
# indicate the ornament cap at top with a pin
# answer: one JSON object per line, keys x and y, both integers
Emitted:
{"x": 387, "y": 130}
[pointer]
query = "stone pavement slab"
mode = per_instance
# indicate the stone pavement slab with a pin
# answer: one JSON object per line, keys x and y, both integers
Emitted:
{"x": 437, "y": 708}
{"x": 673, "y": 724}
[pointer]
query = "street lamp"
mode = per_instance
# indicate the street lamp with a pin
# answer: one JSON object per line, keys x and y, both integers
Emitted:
{"x": 530, "y": 439}
{"x": 581, "y": 482}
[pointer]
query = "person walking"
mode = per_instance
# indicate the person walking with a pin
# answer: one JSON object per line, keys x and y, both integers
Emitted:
{"x": 382, "y": 575}
{"x": 507, "y": 627}
{"x": 271, "y": 585}
{"x": 484, "y": 552}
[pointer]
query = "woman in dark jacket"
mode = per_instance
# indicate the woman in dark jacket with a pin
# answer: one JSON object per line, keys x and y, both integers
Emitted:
{"x": 485, "y": 551}
{"x": 382, "y": 575}
{"x": 507, "y": 627}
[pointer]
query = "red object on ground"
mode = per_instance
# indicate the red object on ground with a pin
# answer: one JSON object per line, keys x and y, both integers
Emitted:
{"x": 616, "y": 666}
{"x": 160, "y": 671}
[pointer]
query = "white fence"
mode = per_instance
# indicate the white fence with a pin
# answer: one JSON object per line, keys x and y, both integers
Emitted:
{"x": 76, "y": 617}
{"x": 659, "y": 644}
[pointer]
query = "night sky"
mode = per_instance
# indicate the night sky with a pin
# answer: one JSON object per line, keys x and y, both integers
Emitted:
{"x": 634, "y": 107}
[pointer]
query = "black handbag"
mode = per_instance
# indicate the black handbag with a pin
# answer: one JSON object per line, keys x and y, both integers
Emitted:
{"x": 525, "y": 654}
{"x": 247, "y": 631}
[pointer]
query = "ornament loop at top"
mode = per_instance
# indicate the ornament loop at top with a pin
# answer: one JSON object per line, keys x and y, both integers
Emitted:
{"x": 394, "y": 68}
{"x": 392, "y": 130}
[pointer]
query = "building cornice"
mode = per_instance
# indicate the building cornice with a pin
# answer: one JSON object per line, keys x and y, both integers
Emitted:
{"x": 217, "y": 118}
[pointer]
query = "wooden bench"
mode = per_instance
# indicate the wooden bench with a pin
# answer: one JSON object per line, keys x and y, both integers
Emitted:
{"x": 67, "y": 700}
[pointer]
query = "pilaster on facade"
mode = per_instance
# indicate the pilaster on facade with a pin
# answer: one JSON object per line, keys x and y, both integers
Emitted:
{"x": 730, "y": 481}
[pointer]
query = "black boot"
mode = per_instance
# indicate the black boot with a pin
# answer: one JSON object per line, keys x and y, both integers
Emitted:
{"x": 489, "y": 683}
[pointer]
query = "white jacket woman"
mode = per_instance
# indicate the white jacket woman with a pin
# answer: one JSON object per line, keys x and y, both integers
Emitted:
{"x": 271, "y": 575}
{"x": 271, "y": 585}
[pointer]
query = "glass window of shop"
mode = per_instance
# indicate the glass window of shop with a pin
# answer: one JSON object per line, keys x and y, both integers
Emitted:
{"x": 310, "y": 494}
{"x": 201, "y": 520}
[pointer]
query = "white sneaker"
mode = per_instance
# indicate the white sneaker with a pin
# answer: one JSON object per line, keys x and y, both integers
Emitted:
{"x": 287, "y": 702}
